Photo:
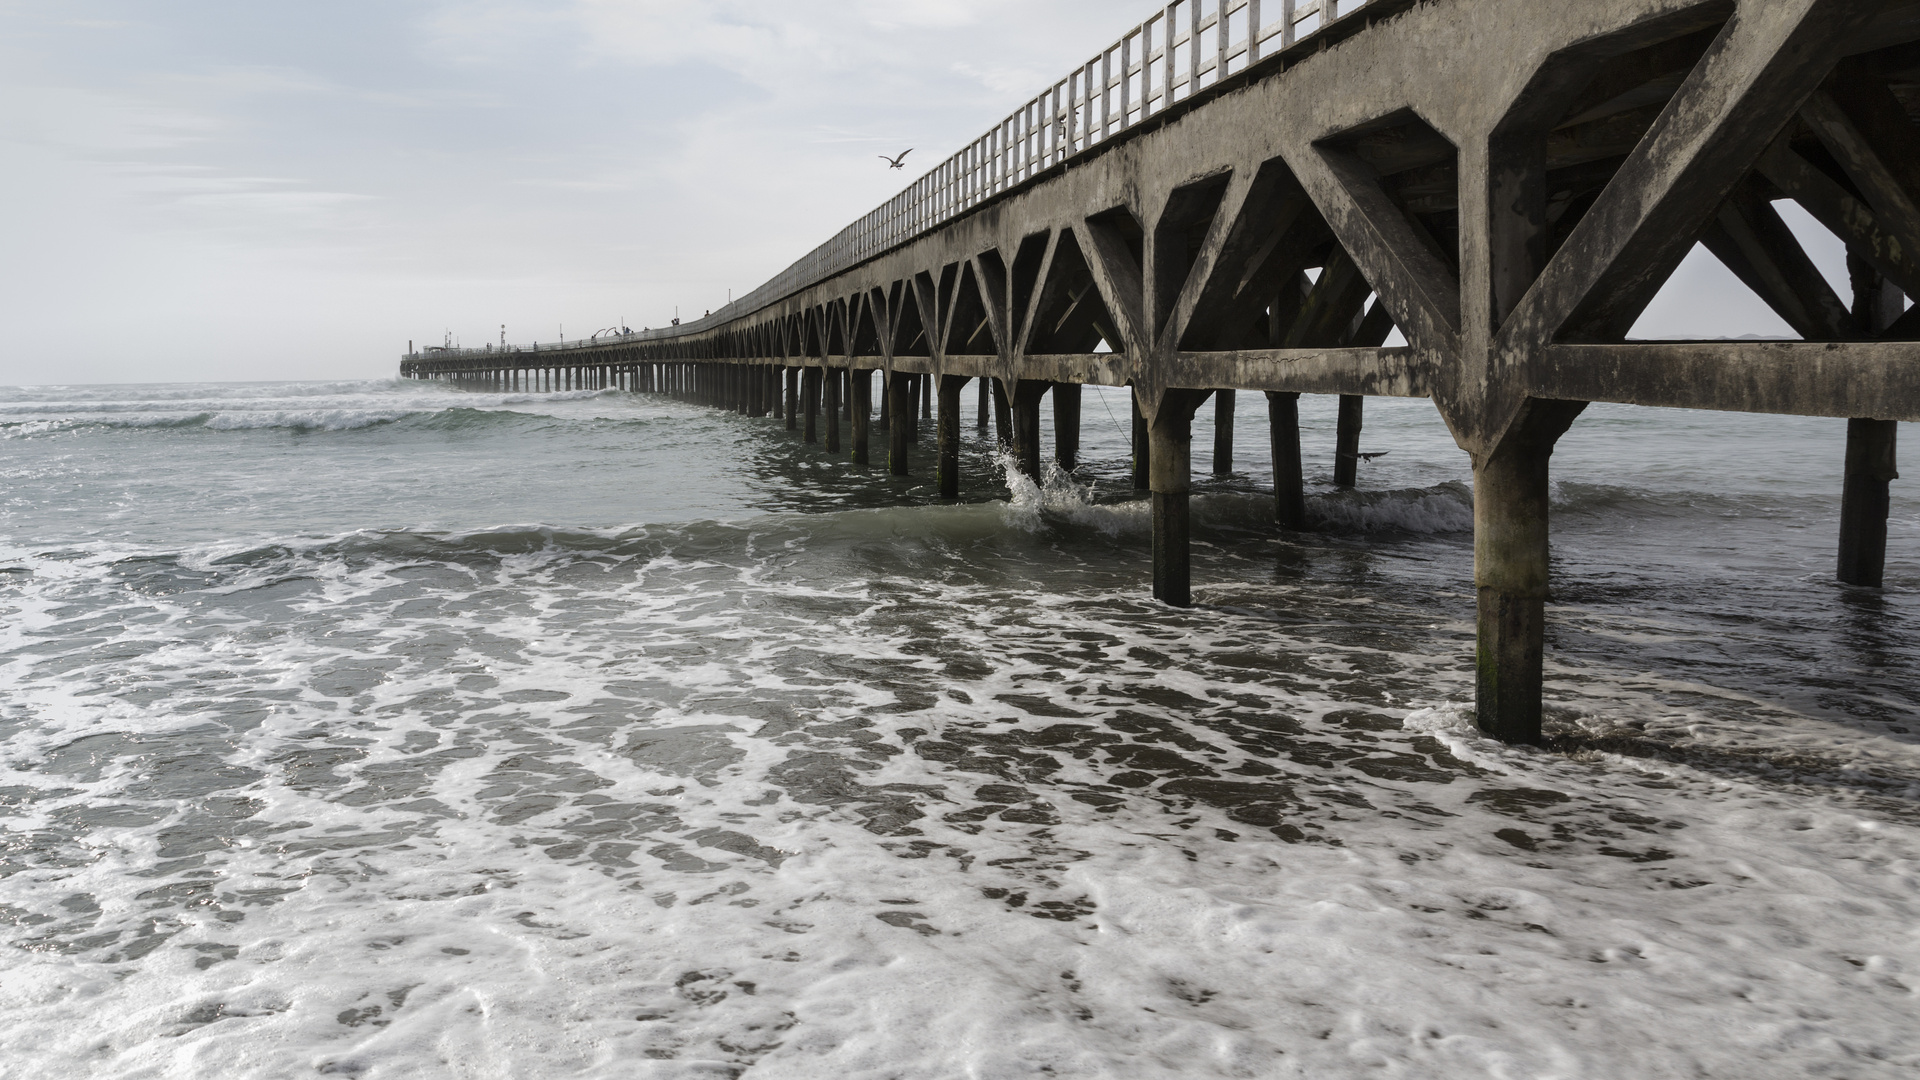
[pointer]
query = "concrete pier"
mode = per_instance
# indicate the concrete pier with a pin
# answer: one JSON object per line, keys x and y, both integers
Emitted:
{"x": 1259, "y": 203}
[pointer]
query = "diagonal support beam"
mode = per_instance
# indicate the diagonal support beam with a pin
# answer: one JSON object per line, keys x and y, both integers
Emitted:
{"x": 1749, "y": 236}
{"x": 1422, "y": 291}
{"x": 1850, "y": 219}
{"x": 1749, "y": 84}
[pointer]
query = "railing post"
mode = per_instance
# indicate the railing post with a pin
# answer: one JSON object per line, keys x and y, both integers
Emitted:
{"x": 1223, "y": 41}
{"x": 1193, "y": 48}
{"x": 1167, "y": 64}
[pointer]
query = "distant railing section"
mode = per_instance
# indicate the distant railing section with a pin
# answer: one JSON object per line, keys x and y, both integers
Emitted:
{"x": 1177, "y": 52}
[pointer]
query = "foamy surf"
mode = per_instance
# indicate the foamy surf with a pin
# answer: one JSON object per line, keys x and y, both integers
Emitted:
{"x": 618, "y": 738}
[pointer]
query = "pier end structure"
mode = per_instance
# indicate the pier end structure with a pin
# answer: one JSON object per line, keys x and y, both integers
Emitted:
{"x": 1239, "y": 196}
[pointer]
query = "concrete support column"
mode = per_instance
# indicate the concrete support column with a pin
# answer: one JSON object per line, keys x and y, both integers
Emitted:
{"x": 1346, "y": 447}
{"x": 1510, "y": 564}
{"x": 1002, "y": 414}
{"x": 1289, "y": 480}
{"x": 949, "y": 435}
{"x": 900, "y": 406}
{"x": 1142, "y": 449}
{"x": 846, "y": 388}
{"x": 986, "y": 402}
{"x": 1170, "y": 438}
{"x": 1872, "y": 462}
{"x": 793, "y": 399}
{"x": 830, "y": 380}
{"x": 1066, "y": 424}
{"x": 916, "y": 385}
{"x": 810, "y": 403}
{"x": 1222, "y": 432}
{"x": 1026, "y": 425}
{"x": 926, "y": 397}
{"x": 1866, "y": 501}
{"x": 860, "y": 385}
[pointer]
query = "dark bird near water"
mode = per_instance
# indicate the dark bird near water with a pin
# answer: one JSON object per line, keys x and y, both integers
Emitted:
{"x": 1370, "y": 457}
{"x": 896, "y": 162}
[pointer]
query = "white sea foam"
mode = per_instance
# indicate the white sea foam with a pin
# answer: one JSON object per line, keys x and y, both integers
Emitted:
{"x": 912, "y": 791}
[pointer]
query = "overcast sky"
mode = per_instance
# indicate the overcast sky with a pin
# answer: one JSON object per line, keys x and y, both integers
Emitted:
{"x": 265, "y": 189}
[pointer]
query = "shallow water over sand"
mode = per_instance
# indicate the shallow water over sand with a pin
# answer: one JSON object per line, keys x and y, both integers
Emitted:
{"x": 381, "y": 730}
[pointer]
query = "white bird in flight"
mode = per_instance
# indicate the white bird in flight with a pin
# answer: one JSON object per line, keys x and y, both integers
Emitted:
{"x": 896, "y": 162}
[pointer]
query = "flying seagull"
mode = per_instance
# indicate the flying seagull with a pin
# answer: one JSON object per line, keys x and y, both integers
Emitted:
{"x": 1370, "y": 457}
{"x": 896, "y": 162}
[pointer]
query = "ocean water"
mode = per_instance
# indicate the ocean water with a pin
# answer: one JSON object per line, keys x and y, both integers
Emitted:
{"x": 391, "y": 730}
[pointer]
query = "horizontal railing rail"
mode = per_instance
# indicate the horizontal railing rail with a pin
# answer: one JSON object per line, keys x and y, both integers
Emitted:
{"x": 1179, "y": 52}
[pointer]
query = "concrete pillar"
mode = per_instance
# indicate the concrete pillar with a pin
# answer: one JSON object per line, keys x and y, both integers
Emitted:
{"x": 860, "y": 385}
{"x": 830, "y": 380}
{"x": 986, "y": 402}
{"x": 1142, "y": 449}
{"x": 1002, "y": 415}
{"x": 900, "y": 405}
{"x": 1066, "y": 424}
{"x": 926, "y": 397}
{"x": 810, "y": 403}
{"x": 910, "y": 406}
{"x": 1866, "y": 501}
{"x": 1872, "y": 462}
{"x": 949, "y": 435}
{"x": 846, "y": 388}
{"x": 1222, "y": 432}
{"x": 1289, "y": 481}
{"x": 1026, "y": 425}
{"x": 1346, "y": 447}
{"x": 793, "y": 399}
{"x": 1170, "y": 437}
{"x": 1510, "y": 564}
